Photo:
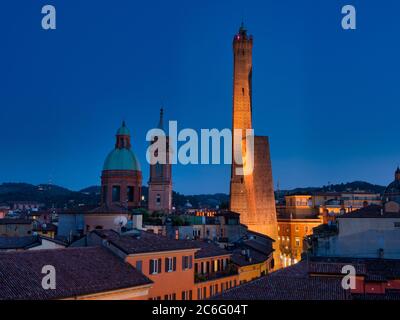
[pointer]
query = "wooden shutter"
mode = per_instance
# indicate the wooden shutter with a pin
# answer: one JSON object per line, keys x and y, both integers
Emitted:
{"x": 159, "y": 265}
{"x": 174, "y": 264}
{"x": 166, "y": 264}
{"x": 190, "y": 262}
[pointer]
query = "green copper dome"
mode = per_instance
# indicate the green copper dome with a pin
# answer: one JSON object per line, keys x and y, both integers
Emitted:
{"x": 121, "y": 159}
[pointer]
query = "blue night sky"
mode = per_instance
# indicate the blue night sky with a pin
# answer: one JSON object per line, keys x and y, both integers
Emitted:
{"x": 328, "y": 98}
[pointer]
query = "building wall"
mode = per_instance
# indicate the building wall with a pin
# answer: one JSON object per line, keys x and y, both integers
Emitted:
{"x": 254, "y": 271}
{"x": 299, "y": 205}
{"x": 166, "y": 283}
{"x": 70, "y": 223}
{"x": 102, "y": 221}
{"x": 366, "y": 244}
{"x": 160, "y": 197}
{"x": 15, "y": 230}
{"x": 375, "y": 287}
{"x": 291, "y": 233}
{"x": 349, "y": 226}
{"x": 123, "y": 179}
{"x": 207, "y": 289}
{"x": 213, "y": 274}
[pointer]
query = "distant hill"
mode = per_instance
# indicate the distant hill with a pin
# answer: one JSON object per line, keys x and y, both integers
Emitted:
{"x": 342, "y": 187}
{"x": 44, "y": 193}
{"x": 61, "y": 197}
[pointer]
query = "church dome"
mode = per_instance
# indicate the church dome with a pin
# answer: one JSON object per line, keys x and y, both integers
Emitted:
{"x": 392, "y": 192}
{"x": 121, "y": 159}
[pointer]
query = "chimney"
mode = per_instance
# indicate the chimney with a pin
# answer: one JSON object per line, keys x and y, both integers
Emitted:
{"x": 248, "y": 256}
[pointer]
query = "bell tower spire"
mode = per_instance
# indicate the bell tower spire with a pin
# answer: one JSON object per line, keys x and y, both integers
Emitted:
{"x": 161, "y": 122}
{"x": 160, "y": 182}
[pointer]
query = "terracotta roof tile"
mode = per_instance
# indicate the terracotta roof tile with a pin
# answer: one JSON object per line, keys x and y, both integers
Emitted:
{"x": 79, "y": 271}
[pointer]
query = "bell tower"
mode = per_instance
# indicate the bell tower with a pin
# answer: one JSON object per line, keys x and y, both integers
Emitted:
{"x": 160, "y": 183}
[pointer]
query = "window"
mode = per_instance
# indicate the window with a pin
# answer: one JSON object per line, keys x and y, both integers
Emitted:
{"x": 139, "y": 265}
{"x": 297, "y": 242}
{"x": 130, "y": 193}
{"x": 155, "y": 266}
{"x": 116, "y": 193}
{"x": 204, "y": 292}
{"x": 187, "y": 262}
{"x": 171, "y": 296}
{"x": 211, "y": 291}
{"x": 170, "y": 264}
{"x": 187, "y": 295}
{"x": 158, "y": 199}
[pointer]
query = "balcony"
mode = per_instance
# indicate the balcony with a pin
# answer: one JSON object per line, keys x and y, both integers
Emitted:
{"x": 215, "y": 275}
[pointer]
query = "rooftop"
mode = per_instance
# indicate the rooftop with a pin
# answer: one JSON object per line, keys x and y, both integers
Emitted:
{"x": 291, "y": 283}
{"x": 371, "y": 268}
{"x": 9, "y": 243}
{"x": 14, "y": 221}
{"x": 371, "y": 211}
{"x": 144, "y": 241}
{"x": 209, "y": 250}
{"x": 80, "y": 271}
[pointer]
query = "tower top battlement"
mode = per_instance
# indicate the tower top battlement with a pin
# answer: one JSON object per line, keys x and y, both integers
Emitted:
{"x": 242, "y": 37}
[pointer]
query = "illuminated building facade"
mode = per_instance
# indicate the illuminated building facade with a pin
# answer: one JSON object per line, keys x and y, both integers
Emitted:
{"x": 291, "y": 234}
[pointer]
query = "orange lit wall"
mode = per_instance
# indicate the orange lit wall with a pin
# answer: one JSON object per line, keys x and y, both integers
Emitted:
{"x": 167, "y": 283}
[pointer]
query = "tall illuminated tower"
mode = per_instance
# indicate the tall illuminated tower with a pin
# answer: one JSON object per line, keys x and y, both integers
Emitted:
{"x": 251, "y": 195}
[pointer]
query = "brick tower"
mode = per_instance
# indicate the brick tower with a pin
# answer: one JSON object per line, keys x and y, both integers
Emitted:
{"x": 251, "y": 195}
{"x": 160, "y": 183}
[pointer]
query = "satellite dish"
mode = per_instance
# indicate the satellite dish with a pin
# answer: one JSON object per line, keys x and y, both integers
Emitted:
{"x": 120, "y": 221}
